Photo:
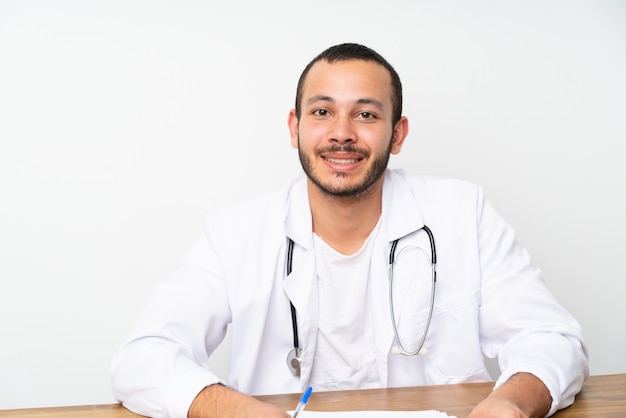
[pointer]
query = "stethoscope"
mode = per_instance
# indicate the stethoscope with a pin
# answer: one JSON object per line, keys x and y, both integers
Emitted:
{"x": 294, "y": 357}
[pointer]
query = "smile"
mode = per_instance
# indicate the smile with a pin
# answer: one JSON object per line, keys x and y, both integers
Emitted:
{"x": 342, "y": 160}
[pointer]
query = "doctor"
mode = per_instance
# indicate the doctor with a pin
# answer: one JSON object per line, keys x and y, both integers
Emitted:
{"x": 303, "y": 279}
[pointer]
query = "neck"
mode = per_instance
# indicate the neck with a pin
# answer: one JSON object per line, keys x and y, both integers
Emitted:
{"x": 344, "y": 223}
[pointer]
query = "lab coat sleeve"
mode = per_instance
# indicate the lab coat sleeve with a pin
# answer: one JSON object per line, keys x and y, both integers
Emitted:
{"x": 521, "y": 321}
{"x": 165, "y": 362}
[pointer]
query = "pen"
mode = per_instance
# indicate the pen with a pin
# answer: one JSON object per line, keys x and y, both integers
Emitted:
{"x": 302, "y": 403}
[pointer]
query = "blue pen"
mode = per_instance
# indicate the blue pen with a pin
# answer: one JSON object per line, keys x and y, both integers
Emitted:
{"x": 302, "y": 403}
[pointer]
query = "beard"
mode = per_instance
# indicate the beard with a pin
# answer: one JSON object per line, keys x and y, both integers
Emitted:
{"x": 339, "y": 188}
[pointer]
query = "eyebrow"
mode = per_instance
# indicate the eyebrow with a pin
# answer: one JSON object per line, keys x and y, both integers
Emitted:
{"x": 320, "y": 98}
{"x": 324, "y": 98}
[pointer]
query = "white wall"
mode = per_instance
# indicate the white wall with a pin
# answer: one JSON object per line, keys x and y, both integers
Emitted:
{"x": 123, "y": 122}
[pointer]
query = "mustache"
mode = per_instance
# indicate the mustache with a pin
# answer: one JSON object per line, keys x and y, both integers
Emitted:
{"x": 348, "y": 148}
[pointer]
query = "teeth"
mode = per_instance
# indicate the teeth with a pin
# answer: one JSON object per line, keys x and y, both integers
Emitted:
{"x": 337, "y": 161}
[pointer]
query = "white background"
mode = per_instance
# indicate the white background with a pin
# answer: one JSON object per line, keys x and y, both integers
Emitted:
{"x": 123, "y": 122}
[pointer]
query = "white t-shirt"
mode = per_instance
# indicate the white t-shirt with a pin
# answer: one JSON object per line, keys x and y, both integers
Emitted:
{"x": 344, "y": 353}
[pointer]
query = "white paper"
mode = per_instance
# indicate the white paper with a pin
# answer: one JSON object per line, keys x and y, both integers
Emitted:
{"x": 373, "y": 414}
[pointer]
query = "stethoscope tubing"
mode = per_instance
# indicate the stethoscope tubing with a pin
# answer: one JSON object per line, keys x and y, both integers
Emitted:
{"x": 294, "y": 322}
{"x": 433, "y": 255}
{"x": 392, "y": 254}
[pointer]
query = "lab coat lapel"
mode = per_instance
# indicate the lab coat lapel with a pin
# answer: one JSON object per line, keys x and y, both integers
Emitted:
{"x": 301, "y": 288}
{"x": 383, "y": 331}
{"x": 301, "y": 285}
{"x": 400, "y": 217}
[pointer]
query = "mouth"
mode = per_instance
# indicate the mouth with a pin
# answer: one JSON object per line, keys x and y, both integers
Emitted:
{"x": 335, "y": 160}
{"x": 343, "y": 158}
{"x": 342, "y": 162}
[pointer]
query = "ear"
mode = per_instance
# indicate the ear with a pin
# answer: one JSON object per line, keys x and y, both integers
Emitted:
{"x": 400, "y": 132}
{"x": 293, "y": 128}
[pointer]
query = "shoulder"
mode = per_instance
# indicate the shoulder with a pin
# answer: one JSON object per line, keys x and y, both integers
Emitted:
{"x": 252, "y": 215}
{"x": 434, "y": 189}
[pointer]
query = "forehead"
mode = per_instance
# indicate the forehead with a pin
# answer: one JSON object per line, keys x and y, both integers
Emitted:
{"x": 350, "y": 80}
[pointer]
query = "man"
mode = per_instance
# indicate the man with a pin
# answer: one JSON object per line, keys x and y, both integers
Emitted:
{"x": 320, "y": 249}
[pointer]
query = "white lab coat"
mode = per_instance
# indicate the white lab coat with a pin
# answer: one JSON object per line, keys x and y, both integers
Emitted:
{"x": 489, "y": 299}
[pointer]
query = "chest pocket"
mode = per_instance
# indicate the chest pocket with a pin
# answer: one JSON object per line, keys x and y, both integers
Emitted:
{"x": 452, "y": 345}
{"x": 412, "y": 292}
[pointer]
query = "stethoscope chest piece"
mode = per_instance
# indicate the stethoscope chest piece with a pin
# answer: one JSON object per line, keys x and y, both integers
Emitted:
{"x": 294, "y": 361}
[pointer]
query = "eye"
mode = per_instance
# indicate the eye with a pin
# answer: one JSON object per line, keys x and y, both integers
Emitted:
{"x": 320, "y": 112}
{"x": 366, "y": 116}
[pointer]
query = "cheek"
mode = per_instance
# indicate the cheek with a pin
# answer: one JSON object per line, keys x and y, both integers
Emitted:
{"x": 378, "y": 140}
{"x": 311, "y": 134}
{"x": 313, "y": 130}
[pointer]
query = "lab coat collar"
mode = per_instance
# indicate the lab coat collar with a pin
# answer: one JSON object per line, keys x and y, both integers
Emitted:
{"x": 298, "y": 222}
{"x": 400, "y": 211}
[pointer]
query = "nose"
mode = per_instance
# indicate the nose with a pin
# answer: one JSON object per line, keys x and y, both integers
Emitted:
{"x": 342, "y": 130}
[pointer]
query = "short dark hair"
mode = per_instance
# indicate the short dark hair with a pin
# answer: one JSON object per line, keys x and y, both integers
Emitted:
{"x": 352, "y": 51}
